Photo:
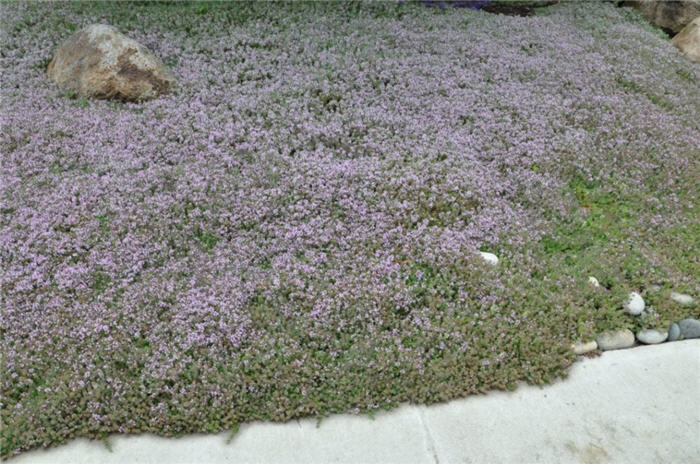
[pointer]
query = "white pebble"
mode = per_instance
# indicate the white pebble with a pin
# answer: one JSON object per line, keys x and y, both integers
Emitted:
{"x": 634, "y": 304}
{"x": 682, "y": 298}
{"x": 489, "y": 257}
{"x": 593, "y": 281}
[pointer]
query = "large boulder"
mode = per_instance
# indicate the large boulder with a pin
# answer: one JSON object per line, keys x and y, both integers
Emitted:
{"x": 100, "y": 62}
{"x": 668, "y": 14}
{"x": 688, "y": 41}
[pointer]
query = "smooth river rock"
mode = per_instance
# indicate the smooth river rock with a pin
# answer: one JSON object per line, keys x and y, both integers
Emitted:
{"x": 489, "y": 257}
{"x": 681, "y": 298}
{"x": 689, "y": 328}
{"x": 634, "y": 304}
{"x": 584, "y": 347}
{"x": 615, "y": 340}
{"x": 593, "y": 282}
{"x": 674, "y": 332}
{"x": 651, "y": 336}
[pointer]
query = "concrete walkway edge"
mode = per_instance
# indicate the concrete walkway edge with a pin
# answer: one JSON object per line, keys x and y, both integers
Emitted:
{"x": 637, "y": 406}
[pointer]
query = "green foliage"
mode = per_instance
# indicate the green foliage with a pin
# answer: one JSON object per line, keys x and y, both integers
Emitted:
{"x": 100, "y": 282}
{"x": 207, "y": 239}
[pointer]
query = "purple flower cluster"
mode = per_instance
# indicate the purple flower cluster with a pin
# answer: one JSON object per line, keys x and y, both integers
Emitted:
{"x": 295, "y": 230}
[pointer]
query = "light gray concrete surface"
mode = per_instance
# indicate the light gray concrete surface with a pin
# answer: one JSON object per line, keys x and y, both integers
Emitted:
{"x": 640, "y": 405}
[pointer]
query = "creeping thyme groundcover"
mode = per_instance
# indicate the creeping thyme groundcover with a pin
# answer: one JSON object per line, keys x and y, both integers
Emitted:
{"x": 295, "y": 231}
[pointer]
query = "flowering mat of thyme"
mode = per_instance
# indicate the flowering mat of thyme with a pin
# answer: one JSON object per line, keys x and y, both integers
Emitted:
{"x": 296, "y": 230}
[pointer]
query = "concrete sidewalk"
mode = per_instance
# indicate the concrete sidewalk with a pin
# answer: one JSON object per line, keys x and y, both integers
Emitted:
{"x": 640, "y": 405}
